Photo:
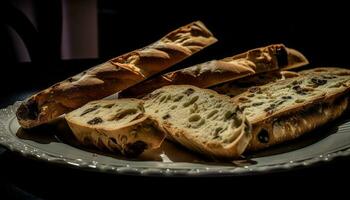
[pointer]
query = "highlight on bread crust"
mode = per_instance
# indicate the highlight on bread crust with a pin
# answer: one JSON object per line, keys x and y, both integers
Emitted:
{"x": 255, "y": 61}
{"x": 114, "y": 75}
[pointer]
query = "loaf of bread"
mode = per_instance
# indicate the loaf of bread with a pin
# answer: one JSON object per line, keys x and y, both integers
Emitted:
{"x": 117, "y": 125}
{"x": 236, "y": 87}
{"x": 214, "y": 72}
{"x": 200, "y": 119}
{"x": 114, "y": 75}
{"x": 286, "y": 109}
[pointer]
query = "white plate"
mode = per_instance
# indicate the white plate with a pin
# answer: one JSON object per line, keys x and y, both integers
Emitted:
{"x": 54, "y": 143}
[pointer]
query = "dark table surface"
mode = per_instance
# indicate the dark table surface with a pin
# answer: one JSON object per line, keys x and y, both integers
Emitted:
{"x": 26, "y": 178}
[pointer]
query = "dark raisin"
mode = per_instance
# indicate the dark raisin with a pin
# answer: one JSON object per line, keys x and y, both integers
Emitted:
{"x": 89, "y": 110}
{"x": 135, "y": 149}
{"x": 167, "y": 116}
{"x": 258, "y": 104}
{"x": 279, "y": 103}
{"x": 70, "y": 79}
{"x": 189, "y": 91}
{"x": 299, "y": 90}
{"x": 96, "y": 120}
{"x": 318, "y": 82}
{"x": 270, "y": 109}
{"x": 109, "y": 106}
{"x": 286, "y": 97}
{"x": 244, "y": 99}
{"x": 255, "y": 90}
{"x": 263, "y": 136}
{"x": 296, "y": 82}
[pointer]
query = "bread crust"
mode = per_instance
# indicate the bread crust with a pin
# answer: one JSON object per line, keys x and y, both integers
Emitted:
{"x": 114, "y": 75}
{"x": 264, "y": 59}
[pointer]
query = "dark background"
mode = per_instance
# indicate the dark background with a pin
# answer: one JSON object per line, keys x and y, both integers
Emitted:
{"x": 319, "y": 30}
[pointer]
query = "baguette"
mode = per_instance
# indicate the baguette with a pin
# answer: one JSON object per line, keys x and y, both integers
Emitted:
{"x": 286, "y": 109}
{"x": 114, "y": 75}
{"x": 214, "y": 72}
{"x": 200, "y": 119}
{"x": 119, "y": 125}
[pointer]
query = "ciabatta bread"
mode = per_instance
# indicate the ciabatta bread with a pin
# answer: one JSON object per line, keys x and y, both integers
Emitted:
{"x": 114, "y": 75}
{"x": 285, "y": 109}
{"x": 117, "y": 125}
{"x": 200, "y": 119}
{"x": 264, "y": 59}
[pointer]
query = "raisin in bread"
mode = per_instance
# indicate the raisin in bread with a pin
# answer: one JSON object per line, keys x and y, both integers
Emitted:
{"x": 285, "y": 109}
{"x": 200, "y": 119}
{"x": 117, "y": 125}
{"x": 236, "y": 87}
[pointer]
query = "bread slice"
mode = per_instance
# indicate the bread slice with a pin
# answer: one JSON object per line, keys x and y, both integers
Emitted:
{"x": 264, "y": 59}
{"x": 236, "y": 87}
{"x": 200, "y": 119}
{"x": 114, "y": 75}
{"x": 285, "y": 109}
{"x": 116, "y": 125}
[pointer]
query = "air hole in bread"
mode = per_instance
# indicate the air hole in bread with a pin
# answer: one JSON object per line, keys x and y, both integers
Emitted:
{"x": 194, "y": 118}
{"x": 191, "y": 101}
{"x": 212, "y": 113}
{"x": 108, "y": 106}
{"x": 123, "y": 114}
{"x": 263, "y": 136}
{"x": 178, "y": 98}
{"x": 89, "y": 110}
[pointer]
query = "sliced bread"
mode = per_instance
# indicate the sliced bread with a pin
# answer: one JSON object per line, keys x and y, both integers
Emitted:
{"x": 200, "y": 119}
{"x": 117, "y": 125}
{"x": 286, "y": 109}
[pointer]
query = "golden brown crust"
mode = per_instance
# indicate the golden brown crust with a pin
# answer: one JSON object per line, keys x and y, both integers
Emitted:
{"x": 214, "y": 72}
{"x": 115, "y": 75}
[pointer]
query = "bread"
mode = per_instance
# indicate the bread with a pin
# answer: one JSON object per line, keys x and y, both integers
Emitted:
{"x": 200, "y": 119}
{"x": 114, "y": 75}
{"x": 117, "y": 125}
{"x": 214, "y": 72}
{"x": 286, "y": 109}
{"x": 236, "y": 87}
